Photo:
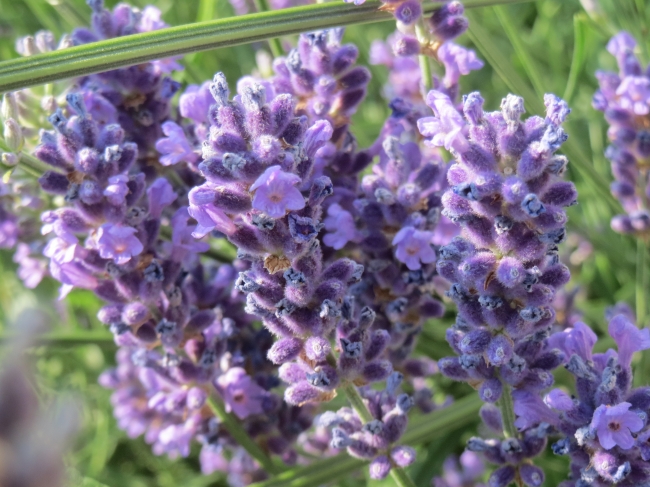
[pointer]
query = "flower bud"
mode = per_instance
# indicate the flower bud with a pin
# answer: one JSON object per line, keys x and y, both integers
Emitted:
{"x": 9, "y": 159}
{"x": 13, "y": 135}
{"x": 9, "y": 107}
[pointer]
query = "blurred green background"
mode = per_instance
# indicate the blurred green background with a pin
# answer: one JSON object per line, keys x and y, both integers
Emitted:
{"x": 528, "y": 48}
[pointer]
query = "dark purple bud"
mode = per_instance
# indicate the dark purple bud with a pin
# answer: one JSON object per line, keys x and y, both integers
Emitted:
{"x": 379, "y": 468}
{"x": 490, "y": 390}
{"x": 301, "y": 393}
{"x": 408, "y": 12}
{"x": 379, "y": 340}
{"x": 284, "y": 350}
{"x": 500, "y": 350}
{"x": 54, "y": 182}
{"x": 502, "y": 477}
{"x": 377, "y": 371}
{"x": 367, "y": 317}
{"x": 135, "y": 313}
{"x": 452, "y": 368}
{"x": 491, "y": 416}
{"x": 406, "y": 46}
{"x": 510, "y": 272}
{"x": 344, "y": 57}
{"x": 475, "y": 341}
{"x": 403, "y": 456}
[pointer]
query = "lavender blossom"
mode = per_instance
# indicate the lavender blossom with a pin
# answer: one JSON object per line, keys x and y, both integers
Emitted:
{"x": 507, "y": 196}
{"x": 604, "y": 426}
{"x": 625, "y": 100}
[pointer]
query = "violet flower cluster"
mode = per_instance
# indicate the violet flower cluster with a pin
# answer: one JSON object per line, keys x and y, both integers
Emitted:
{"x": 605, "y": 422}
{"x": 507, "y": 195}
{"x": 625, "y": 100}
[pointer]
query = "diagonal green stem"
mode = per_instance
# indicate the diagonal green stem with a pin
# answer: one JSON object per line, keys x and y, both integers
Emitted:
{"x": 244, "y": 29}
{"x": 238, "y": 433}
{"x": 513, "y": 34}
{"x": 642, "y": 294}
{"x": 399, "y": 475}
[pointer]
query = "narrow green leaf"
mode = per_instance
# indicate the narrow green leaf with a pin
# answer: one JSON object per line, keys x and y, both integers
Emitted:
{"x": 579, "y": 55}
{"x": 129, "y": 50}
{"x": 421, "y": 429}
{"x": 513, "y": 34}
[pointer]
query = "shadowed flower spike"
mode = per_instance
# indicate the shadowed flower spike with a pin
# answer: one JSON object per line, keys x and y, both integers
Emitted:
{"x": 614, "y": 425}
{"x": 276, "y": 192}
{"x": 414, "y": 247}
{"x": 625, "y": 100}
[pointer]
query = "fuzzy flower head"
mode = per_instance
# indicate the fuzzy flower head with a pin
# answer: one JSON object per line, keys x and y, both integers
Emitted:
{"x": 614, "y": 425}
{"x": 118, "y": 242}
{"x": 414, "y": 247}
{"x": 276, "y": 192}
{"x": 241, "y": 394}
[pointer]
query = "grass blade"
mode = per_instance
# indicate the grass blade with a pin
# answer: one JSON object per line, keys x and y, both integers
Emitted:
{"x": 129, "y": 50}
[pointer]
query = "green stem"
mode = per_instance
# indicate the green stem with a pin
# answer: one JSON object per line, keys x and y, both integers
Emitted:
{"x": 274, "y": 42}
{"x": 425, "y": 63}
{"x": 238, "y": 433}
{"x": 135, "y": 49}
{"x": 399, "y": 475}
{"x": 507, "y": 412}
{"x": 512, "y": 33}
{"x": 67, "y": 339}
{"x": 641, "y": 306}
{"x": 641, "y": 280}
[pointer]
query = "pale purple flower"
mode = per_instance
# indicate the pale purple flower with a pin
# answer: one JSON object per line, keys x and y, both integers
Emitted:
{"x": 151, "y": 20}
{"x": 634, "y": 94}
{"x": 61, "y": 250}
{"x": 117, "y": 189}
{"x": 579, "y": 340}
{"x": 8, "y": 232}
{"x": 414, "y": 247}
{"x": 531, "y": 410}
{"x": 71, "y": 275}
{"x": 558, "y": 399}
{"x": 447, "y": 127}
{"x": 161, "y": 194}
{"x": 339, "y": 224}
{"x": 196, "y": 101}
{"x": 628, "y": 338}
{"x": 275, "y": 192}
{"x": 615, "y": 425}
{"x": 240, "y": 393}
{"x": 458, "y": 61}
{"x": 208, "y": 218}
{"x": 118, "y": 242}
{"x": 175, "y": 147}
{"x": 30, "y": 270}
